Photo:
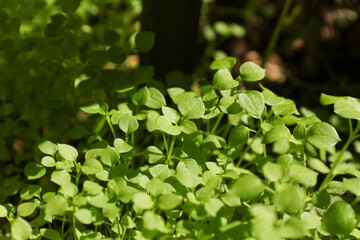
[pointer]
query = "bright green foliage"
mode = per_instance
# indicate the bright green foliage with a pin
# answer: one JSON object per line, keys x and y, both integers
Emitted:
{"x": 50, "y": 234}
{"x": 252, "y": 102}
{"x": 339, "y": 219}
{"x": 251, "y": 72}
{"x": 20, "y": 229}
{"x": 145, "y": 161}
{"x": 223, "y": 80}
{"x": 322, "y": 135}
{"x": 247, "y": 187}
{"x": 223, "y": 63}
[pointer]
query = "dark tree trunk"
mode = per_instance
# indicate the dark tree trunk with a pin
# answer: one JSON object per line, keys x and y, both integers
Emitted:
{"x": 175, "y": 24}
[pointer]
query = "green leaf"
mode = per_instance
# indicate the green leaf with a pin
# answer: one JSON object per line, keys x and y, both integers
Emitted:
{"x": 121, "y": 146}
{"x": 166, "y": 126}
{"x": 144, "y": 41}
{"x": 251, "y": 72}
{"x": 223, "y": 63}
{"x": 188, "y": 127}
{"x": 271, "y": 98}
{"x": 97, "y": 58}
{"x": 91, "y": 108}
{"x": 178, "y": 98}
{"x": 213, "y": 206}
{"x": 272, "y": 171}
{"x": 231, "y": 200}
{"x": 252, "y": 102}
{"x": 288, "y": 198}
{"x": 111, "y": 37}
{"x": 294, "y": 228}
{"x": 98, "y": 200}
{"x": 54, "y": 29}
{"x": 153, "y": 221}
{"x": 288, "y": 107}
{"x": 277, "y": 133}
{"x": 3, "y": 211}
{"x": 84, "y": 216}
{"x": 209, "y": 97}
{"x": 192, "y": 108}
{"x": 69, "y": 189}
{"x": 128, "y": 123}
{"x": 34, "y": 170}
{"x": 160, "y": 171}
{"x": 91, "y": 166}
{"x": 322, "y": 135}
{"x": 300, "y": 131}
{"x": 336, "y": 188}
{"x": 141, "y": 97}
{"x": 212, "y": 166}
{"x": 318, "y": 165}
{"x": 30, "y": 192}
{"x": 116, "y": 54}
{"x": 70, "y": 6}
{"x": 223, "y": 80}
{"x": 142, "y": 201}
{"x": 111, "y": 211}
{"x": 186, "y": 176}
{"x": 339, "y": 219}
{"x": 326, "y": 99}
{"x": 143, "y": 74}
{"x": 171, "y": 114}
{"x": 169, "y": 201}
{"x": 352, "y": 185}
{"x": 92, "y": 188}
{"x": 230, "y": 105}
{"x": 20, "y": 229}
{"x": 303, "y": 175}
{"x": 55, "y": 205}
{"x": 50, "y": 234}
{"x": 48, "y": 147}
{"x": 247, "y": 187}
{"x": 68, "y": 152}
{"x": 153, "y": 154}
{"x": 27, "y": 208}
{"x": 157, "y": 99}
{"x": 349, "y": 108}
{"x": 60, "y": 177}
{"x": 311, "y": 221}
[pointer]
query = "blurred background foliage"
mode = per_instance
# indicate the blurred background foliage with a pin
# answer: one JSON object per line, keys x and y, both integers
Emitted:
{"x": 53, "y": 53}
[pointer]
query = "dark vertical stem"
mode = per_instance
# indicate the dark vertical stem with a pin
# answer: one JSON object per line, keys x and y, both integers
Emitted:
{"x": 276, "y": 32}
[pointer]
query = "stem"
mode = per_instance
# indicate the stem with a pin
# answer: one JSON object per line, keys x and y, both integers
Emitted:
{"x": 74, "y": 223}
{"x": 63, "y": 227}
{"x": 218, "y": 120}
{"x": 351, "y": 138}
{"x": 165, "y": 143}
{"x": 118, "y": 227}
{"x": 172, "y": 144}
{"x": 110, "y": 125}
{"x": 247, "y": 148}
{"x": 276, "y": 32}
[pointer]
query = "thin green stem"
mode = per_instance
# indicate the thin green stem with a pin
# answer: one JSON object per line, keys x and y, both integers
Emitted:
{"x": 218, "y": 120}
{"x": 74, "y": 223}
{"x": 63, "y": 226}
{"x": 247, "y": 148}
{"x": 276, "y": 32}
{"x": 172, "y": 144}
{"x": 110, "y": 125}
{"x": 352, "y": 137}
{"x": 118, "y": 227}
{"x": 165, "y": 143}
